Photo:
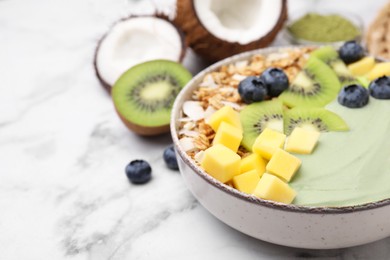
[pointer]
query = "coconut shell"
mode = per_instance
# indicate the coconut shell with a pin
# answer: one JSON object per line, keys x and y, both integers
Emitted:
{"x": 210, "y": 47}
{"x": 159, "y": 16}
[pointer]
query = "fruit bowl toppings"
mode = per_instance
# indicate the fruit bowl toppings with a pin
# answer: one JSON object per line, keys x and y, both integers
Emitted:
{"x": 314, "y": 118}
{"x": 302, "y": 141}
{"x": 380, "y": 88}
{"x": 267, "y": 116}
{"x": 316, "y": 85}
{"x": 353, "y": 96}
{"x": 252, "y": 89}
{"x": 351, "y": 52}
{"x": 275, "y": 80}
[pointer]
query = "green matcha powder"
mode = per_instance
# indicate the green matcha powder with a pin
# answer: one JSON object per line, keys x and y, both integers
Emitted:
{"x": 323, "y": 28}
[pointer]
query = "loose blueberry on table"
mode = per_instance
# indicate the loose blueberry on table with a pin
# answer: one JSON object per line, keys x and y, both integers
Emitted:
{"x": 138, "y": 171}
{"x": 170, "y": 158}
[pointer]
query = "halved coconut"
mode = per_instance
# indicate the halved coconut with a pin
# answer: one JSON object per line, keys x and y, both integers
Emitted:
{"x": 135, "y": 40}
{"x": 216, "y": 29}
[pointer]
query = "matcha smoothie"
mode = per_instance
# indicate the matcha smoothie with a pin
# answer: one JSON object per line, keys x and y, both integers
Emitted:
{"x": 349, "y": 168}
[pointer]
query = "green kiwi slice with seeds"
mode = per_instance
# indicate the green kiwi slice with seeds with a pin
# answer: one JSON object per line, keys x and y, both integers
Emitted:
{"x": 315, "y": 118}
{"x": 258, "y": 116}
{"x": 143, "y": 96}
{"x": 331, "y": 57}
{"x": 315, "y": 85}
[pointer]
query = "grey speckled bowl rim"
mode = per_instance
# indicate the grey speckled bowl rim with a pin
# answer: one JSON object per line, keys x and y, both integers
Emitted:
{"x": 185, "y": 94}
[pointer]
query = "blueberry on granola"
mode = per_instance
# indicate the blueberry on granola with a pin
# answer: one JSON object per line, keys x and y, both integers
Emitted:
{"x": 351, "y": 51}
{"x": 138, "y": 171}
{"x": 252, "y": 89}
{"x": 275, "y": 80}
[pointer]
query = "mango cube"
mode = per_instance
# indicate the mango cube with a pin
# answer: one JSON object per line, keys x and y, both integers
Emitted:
{"x": 246, "y": 182}
{"x": 221, "y": 162}
{"x": 225, "y": 114}
{"x": 380, "y": 69}
{"x": 302, "y": 141}
{"x": 229, "y": 136}
{"x": 283, "y": 165}
{"x": 230, "y": 184}
{"x": 272, "y": 188}
{"x": 253, "y": 162}
{"x": 362, "y": 66}
{"x": 267, "y": 142}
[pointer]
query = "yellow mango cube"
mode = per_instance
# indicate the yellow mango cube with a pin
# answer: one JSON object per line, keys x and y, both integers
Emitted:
{"x": 230, "y": 184}
{"x": 272, "y": 188}
{"x": 253, "y": 162}
{"x": 379, "y": 70}
{"x": 229, "y": 136}
{"x": 267, "y": 142}
{"x": 283, "y": 165}
{"x": 362, "y": 66}
{"x": 225, "y": 114}
{"x": 246, "y": 182}
{"x": 302, "y": 141}
{"x": 221, "y": 163}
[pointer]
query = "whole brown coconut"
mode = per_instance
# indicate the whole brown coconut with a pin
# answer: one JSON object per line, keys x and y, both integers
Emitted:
{"x": 214, "y": 48}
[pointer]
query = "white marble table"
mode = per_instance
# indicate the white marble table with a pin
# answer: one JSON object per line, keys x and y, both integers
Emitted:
{"x": 63, "y": 191}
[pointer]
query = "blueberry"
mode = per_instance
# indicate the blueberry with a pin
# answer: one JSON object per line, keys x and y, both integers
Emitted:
{"x": 380, "y": 88}
{"x": 351, "y": 51}
{"x": 275, "y": 80}
{"x": 138, "y": 171}
{"x": 353, "y": 96}
{"x": 170, "y": 158}
{"x": 252, "y": 89}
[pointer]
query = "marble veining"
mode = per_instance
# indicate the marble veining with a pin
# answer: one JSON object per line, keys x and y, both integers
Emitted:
{"x": 63, "y": 191}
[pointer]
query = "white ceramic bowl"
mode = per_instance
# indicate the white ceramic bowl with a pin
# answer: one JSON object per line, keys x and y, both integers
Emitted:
{"x": 289, "y": 225}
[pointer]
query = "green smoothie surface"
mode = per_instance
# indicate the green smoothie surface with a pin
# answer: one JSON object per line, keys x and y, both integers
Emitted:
{"x": 348, "y": 168}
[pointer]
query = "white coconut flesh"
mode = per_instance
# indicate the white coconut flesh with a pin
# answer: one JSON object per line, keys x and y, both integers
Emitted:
{"x": 136, "y": 40}
{"x": 242, "y": 21}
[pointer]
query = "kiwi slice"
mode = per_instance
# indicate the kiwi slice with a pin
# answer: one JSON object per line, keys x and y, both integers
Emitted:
{"x": 143, "y": 96}
{"x": 362, "y": 80}
{"x": 258, "y": 116}
{"x": 331, "y": 57}
{"x": 316, "y": 118}
{"x": 315, "y": 85}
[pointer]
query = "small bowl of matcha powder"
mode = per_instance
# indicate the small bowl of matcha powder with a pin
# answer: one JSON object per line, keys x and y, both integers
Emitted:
{"x": 317, "y": 28}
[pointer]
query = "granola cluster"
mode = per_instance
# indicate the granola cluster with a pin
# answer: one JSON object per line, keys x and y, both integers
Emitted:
{"x": 378, "y": 34}
{"x": 219, "y": 88}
